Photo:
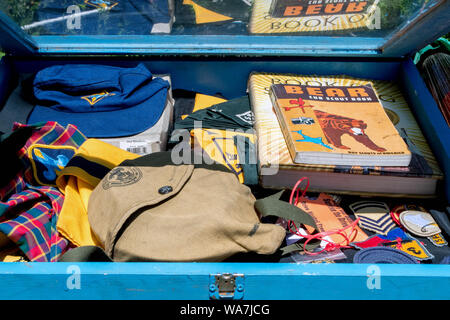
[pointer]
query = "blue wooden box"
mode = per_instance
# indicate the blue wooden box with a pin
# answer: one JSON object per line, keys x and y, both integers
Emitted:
{"x": 206, "y": 63}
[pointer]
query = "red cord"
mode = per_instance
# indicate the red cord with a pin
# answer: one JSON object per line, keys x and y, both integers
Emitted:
{"x": 330, "y": 246}
{"x": 297, "y": 191}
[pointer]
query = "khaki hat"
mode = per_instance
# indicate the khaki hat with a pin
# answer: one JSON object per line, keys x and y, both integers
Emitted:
{"x": 150, "y": 209}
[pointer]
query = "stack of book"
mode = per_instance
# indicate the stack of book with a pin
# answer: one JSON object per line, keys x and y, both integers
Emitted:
{"x": 347, "y": 135}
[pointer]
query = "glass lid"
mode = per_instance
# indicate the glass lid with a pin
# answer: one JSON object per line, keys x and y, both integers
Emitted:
{"x": 233, "y": 25}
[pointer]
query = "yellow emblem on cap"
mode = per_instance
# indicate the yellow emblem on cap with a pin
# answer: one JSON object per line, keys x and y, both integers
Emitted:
{"x": 94, "y": 98}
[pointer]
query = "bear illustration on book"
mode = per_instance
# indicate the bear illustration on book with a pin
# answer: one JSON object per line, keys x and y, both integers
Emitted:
{"x": 334, "y": 127}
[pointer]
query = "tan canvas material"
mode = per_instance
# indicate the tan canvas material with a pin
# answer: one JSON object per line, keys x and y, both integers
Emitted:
{"x": 149, "y": 209}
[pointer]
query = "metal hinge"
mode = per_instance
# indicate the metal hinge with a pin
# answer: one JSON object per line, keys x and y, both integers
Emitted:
{"x": 226, "y": 286}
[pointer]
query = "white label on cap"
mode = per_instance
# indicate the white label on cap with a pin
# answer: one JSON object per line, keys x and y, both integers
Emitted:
{"x": 140, "y": 147}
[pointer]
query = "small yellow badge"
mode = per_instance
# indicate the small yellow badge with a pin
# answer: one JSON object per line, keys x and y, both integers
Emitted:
{"x": 415, "y": 249}
{"x": 94, "y": 98}
{"x": 438, "y": 240}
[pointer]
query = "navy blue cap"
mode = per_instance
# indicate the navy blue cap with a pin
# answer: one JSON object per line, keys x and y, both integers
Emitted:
{"x": 102, "y": 101}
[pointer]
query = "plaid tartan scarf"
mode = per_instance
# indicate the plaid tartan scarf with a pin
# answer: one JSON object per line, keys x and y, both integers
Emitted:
{"x": 30, "y": 203}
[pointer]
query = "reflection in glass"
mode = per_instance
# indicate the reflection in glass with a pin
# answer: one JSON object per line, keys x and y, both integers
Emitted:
{"x": 362, "y": 18}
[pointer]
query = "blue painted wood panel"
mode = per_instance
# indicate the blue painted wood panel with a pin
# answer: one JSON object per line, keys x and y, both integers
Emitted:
{"x": 190, "y": 281}
{"x": 209, "y": 75}
{"x": 430, "y": 118}
{"x": 223, "y": 45}
{"x": 13, "y": 39}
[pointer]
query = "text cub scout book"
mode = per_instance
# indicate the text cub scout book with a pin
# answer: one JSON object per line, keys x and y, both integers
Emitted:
{"x": 340, "y": 125}
{"x": 293, "y": 16}
{"x": 278, "y": 171}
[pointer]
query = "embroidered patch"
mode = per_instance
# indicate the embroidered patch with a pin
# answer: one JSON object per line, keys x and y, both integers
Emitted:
{"x": 397, "y": 239}
{"x": 438, "y": 240}
{"x": 395, "y": 213}
{"x": 374, "y": 216}
{"x": 121, "y": 177}
{"x": 413, "y": 248}
{"x": 393, "y": 236}
{"x": 420, "y": 223}
{"x": 94, "y": 98}
{"x": 247, "y": 117}
{"x": 101, "y": 4}
{"x": 48, "y": 160}
{"x": 380, "y": 255}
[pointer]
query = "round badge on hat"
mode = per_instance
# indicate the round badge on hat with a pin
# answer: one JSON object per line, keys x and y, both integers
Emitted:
{"x": 383, "y": 255}
{"x": 419, "y": 223}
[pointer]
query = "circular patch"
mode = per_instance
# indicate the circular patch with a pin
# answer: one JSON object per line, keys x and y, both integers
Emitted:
{"x": 383, "y": 255}
{"x": 419, "y": 223}
{"x": 121, "y": 177}
{"x": 165, "y": 190}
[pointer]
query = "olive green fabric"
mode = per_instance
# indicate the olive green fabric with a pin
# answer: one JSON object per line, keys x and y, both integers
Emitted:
{"x": 247, "y": 154}
{"x": 232, "y": 114}
{"x": 85, "y": 254}
{"x": 273, "y": 206}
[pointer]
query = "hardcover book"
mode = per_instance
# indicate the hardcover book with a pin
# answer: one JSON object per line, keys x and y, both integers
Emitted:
{"x": 337, "y": 125}
{"x": 294, "y": 16}
{"x": 278, "y": 171}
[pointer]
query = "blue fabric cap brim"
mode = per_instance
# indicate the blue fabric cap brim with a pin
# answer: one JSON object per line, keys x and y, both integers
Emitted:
{"x": 101, "y": 101}
{"x": 109, "y": 124}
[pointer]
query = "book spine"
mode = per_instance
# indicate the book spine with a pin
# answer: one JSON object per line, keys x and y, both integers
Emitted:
{"x": 282, "y": 121}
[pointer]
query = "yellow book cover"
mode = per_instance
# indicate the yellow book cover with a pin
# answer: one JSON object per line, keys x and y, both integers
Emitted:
{"x": 338, "y": 125}
{"x": 298, "y": 16}
{"x": 278, "y": 171}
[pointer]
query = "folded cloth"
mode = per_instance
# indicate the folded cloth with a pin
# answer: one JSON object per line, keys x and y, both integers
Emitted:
{"x": 235, "y": 150}
{"x": 30, "y": 204}
{"x": 92, "y": 161}
{"x": 102, "y": 101}
{"x": 38, "y": 153}
{"x": 33, "y": 230}
{"x": 232, "y": 114}
{"x": 187, "y": 102}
